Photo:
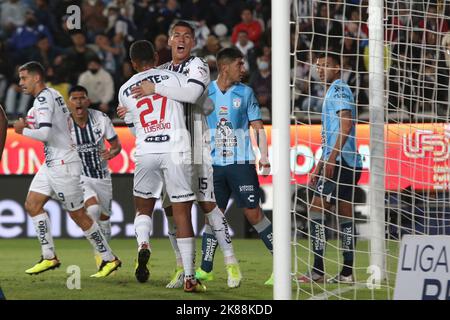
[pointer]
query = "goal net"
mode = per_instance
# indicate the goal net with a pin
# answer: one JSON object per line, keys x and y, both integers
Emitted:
{"x": 415, "y": 117}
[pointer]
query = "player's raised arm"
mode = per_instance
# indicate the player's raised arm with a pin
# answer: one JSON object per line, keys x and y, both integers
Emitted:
{"x": 3, "y": 129}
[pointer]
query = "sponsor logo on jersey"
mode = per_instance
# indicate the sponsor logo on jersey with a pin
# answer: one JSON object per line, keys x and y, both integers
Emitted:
{"x": 41, "y": 99}
{"x": 236, "y": 103}
{"x": 224, "y": 134}
{"x": 223, "y": 111}
{"x": 158, "y": 138}
{"x": 247, "y": 188}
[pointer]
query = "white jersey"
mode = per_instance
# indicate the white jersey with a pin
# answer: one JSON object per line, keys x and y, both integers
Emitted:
{"x": 197, "y": 71}
{"x": 159, "y": 121}
{"x": 50, "y": 110}
{"x": 90, "y": 141}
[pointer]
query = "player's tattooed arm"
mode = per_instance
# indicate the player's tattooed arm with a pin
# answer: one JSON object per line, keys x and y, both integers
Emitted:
{"x": 114, "y": 150}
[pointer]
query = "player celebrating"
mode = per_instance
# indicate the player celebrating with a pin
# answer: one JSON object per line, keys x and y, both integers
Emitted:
{"x": 59, "y": 175}
{"x": 90, "y": 129}
{"x": 235, "y": 108}
{"x": 337, "y": 172}
{"x": 163, "y": 156}
{"x": 182, "y": 41}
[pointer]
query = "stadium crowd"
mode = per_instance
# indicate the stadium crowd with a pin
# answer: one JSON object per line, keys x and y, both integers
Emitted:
{"x": 95, "y": 55}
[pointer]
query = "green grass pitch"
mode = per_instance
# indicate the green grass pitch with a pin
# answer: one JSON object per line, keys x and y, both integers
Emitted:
{"x": 256, "y": 265}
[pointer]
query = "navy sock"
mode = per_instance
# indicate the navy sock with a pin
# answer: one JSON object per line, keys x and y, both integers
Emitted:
{"x": 264, "y": 229}
{"x": 348, "y": 243}
{"x": 209, "y": 246}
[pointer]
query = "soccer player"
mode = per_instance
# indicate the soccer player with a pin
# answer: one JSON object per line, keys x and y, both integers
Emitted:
{"x": 3, "y": 129}
{"x": 181, "y": 41}
{"x": 235, "y": 109}
{"x": 337, "y": 173}
{"x": 90, "y": 129}
{"x": 163, "y": 157}
{"x": 59, "y": 175}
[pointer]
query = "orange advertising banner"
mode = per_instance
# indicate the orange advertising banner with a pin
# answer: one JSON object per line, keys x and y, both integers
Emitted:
{"x": 416, "y": 155}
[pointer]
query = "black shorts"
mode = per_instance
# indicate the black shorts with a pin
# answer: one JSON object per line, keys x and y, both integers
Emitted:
{"x": 241, "y": 180}
{"x": 342, "y": 184}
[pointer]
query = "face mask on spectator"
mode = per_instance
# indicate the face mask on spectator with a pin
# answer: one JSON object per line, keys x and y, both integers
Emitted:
{"x": 262, "y": 65}
{"x": 93, "y": 71}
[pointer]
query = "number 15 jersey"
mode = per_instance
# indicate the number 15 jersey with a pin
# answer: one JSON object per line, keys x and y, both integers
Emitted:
{"x": 158, "y": 121}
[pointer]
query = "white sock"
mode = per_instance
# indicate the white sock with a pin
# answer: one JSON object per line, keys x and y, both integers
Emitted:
{"x": 173, "y": 240}
{"x": 187, "y": 250}
{"x": 220, "y": 228}
{"x": 94, "y": 212}
{"x": 42, "y": 226}
{"x": 142, "y": 227}
{"x": 98, "y": 242}
{"x": 105, "y": 227}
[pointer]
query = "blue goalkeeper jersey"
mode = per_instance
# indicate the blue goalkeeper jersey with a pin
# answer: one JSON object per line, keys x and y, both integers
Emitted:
{"x": 229, "y": 124}
{"x": 339, "y": 97}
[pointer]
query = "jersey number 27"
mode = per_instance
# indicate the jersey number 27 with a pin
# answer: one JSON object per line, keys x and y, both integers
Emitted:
{"x": 147, "y": 105}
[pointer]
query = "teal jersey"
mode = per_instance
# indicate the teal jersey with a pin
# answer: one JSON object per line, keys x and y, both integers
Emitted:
{"x": 339, "y": 97}
{"x": 229, "y": 123}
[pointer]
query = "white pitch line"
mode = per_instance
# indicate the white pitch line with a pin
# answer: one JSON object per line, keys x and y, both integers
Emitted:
{"x": 337, "y": 292}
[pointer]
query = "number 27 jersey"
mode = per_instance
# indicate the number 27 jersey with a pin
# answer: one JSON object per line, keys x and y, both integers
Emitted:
{"x": 159, "y": 121}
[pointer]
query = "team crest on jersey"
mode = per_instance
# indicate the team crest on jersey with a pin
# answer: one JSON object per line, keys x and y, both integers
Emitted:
{"x": 236, "y": 103}
{"x": 224, "y": 134}
{"x": 98, "y": 132}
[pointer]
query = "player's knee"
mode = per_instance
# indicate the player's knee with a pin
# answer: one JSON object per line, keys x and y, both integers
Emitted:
{"x": 33, "y": 208}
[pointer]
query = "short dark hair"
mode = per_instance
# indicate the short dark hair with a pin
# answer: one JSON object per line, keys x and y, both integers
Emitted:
{"x": 332, "y": 55}
{"x": 182, "y": 23}
{"x": 78, "y": 88}
{"x": 228, "y": 55}
{"x": 33, "y": 67}
{"x": 142, "y": 51}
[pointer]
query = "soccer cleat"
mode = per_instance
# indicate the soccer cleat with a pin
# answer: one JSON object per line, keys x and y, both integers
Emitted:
{"x": 342, "y": 279}
{"x": 234, "y": 275}
{"x": 269, "y": 281}
{"x": 203, "y": 275}
{"x": 44, "y": 265}
{"x": 107, "y": 267}
{"x": 311, "y": 277}
{"x": 141, "y": 270}
{"x": 193, "y": 285}
{"x": 177, "y": 279}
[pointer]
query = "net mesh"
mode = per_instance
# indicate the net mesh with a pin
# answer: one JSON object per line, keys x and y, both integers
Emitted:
{"x": 416, "y": 113}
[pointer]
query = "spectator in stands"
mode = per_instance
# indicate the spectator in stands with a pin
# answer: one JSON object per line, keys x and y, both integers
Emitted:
{"x": 244, "y": 45}
{"x": 99, "y": 84}
{"x": 327, "y": 30}
{"x": 120, "y": 26}
{"x": 162, "y": 48}
{"x": 209, "y": 53}
{"x": 78, "y": 56}
{"x": 248, "y": 24}
{"x": 27, "y": 36}
{"x": 44, "y": 16}
{"x": 44, "y": 52}
{"x": 57, "y": 77}
{"x": 62, "y": 34}
{"x": 92, "y": 17}
{"x": 433, "y": 20}
{"x": 168, "y": 14}
{"x": 12, "y": 15}
{"x": 110, "y": 54}
{"x": 223, "y": 12}
{"x": 261, "y": 83}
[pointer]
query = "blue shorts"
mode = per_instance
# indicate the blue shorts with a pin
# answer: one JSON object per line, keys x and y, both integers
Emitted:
{"x": 241, "y": 180}
{"x": 341, "y": 186}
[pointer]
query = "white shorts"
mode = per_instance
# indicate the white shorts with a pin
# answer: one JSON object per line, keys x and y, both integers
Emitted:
{"x": 101, "y": 189}
{"x": 63, "y": 182}
{"x": 154, "y": 170}
{"x": 202, "y": 180}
